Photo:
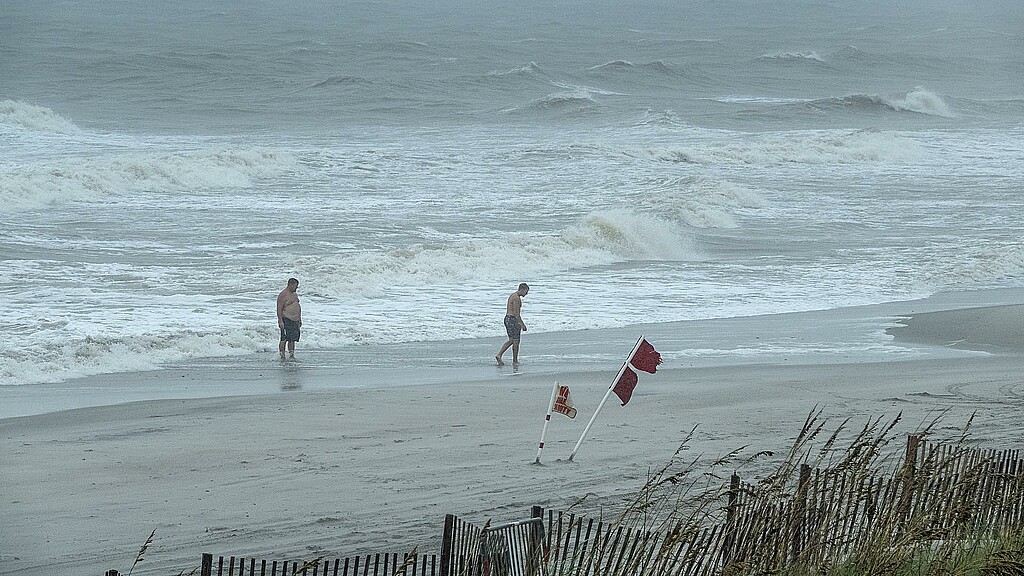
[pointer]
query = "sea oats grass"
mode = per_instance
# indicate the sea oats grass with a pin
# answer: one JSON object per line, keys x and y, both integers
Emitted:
{"x": 853, "y": 500}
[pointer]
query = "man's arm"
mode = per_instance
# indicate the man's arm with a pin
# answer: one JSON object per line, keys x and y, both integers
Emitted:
{"x": 517, "y": 308}
{"x": 280, "y": 309}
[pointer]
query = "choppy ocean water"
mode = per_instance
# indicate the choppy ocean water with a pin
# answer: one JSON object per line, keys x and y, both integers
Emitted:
{"x": 164, "y": 169}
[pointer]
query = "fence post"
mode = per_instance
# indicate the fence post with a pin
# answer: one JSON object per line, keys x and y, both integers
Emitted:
{"x": 540, "y": 545}
{"x": 910, "y": 460}
{"x": 446, "y": 544}
{"x": 206, "y": 568}
{"x": 800, "y": 512}
{"x": 112, "y": 572}
{"x": 730, "y": 518}
{"x": 909, "y": 475}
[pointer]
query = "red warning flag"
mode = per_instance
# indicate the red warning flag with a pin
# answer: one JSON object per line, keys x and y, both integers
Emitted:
{"x": 646, "y": 358}
{"x": 624, "y": 387}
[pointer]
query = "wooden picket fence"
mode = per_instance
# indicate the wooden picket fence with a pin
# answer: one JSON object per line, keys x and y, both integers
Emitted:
{"x": 466, "y": 550}
{"x": 516, "y": 548}
{"x": 939, "y": 493}
{"x": 368, "y": 565}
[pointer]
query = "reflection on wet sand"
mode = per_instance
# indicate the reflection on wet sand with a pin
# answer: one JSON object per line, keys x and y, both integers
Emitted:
{"x": 291, "y": 375}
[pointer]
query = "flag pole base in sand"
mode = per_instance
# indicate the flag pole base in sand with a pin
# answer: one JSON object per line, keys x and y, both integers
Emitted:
{"x": 547, "y": 420}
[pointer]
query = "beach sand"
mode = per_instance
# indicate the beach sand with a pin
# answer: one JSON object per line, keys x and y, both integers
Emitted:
{"x": 258, "y": 458}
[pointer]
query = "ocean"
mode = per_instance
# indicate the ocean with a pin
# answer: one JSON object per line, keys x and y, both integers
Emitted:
{"x": 165, "y": 167}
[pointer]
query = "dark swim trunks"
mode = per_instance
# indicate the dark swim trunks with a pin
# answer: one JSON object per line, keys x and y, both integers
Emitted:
{"x": 290, "y": 332}
{"x": 512, "y": 327}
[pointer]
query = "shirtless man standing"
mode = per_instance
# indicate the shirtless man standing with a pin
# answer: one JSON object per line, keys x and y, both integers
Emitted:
{"x": 289, "y": 317}
{"x": 513, "y": 324}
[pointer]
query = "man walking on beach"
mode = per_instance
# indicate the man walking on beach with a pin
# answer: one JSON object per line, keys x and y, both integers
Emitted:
{"x": 513, "y": 324}
{"x": 289, "y": 317}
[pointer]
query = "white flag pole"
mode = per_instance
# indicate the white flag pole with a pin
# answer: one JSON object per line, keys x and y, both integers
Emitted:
{"x": 547, "y": 419}
{"x": 606, "y": 395}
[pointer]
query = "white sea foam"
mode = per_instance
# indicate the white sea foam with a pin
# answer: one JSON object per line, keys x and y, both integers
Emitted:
{"x": 95, "y": 355}
{"x": 700, "y": 201}
{"x": 530, "y": 68}
{"x": 573, "y": 88}
{"x": 798, "y": 147}
{"x": 792, "y": 56}
{"x": 758, "y": 100}
{"x": 34, "y": 118}
{"x": 984, "y": 265}
{"x": 33, "y": 186}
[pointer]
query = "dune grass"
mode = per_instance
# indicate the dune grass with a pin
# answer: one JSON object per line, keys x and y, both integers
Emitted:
{"x": 845, "y": 501}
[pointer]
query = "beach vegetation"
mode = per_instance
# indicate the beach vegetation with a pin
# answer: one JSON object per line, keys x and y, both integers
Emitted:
{"x": 841, "y": 501}
{"x": 141, "y": 555}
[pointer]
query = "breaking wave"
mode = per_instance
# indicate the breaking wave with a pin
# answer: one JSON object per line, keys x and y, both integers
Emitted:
{"x": 918, "y": 101}
{"x": 598, "y": 239}
{"x": 56, "y": 182}
{"x": 700, "y": 202}
{"x": 802, "y": 148}
{"x": 97, "y": 355}
{"x": 34, "y": 118}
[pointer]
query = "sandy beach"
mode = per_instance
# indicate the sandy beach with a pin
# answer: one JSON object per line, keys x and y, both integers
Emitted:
{"x": 256, "y": 458}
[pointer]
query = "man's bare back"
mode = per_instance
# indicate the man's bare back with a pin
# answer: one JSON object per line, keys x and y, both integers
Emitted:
{"x": 515, "y": 305}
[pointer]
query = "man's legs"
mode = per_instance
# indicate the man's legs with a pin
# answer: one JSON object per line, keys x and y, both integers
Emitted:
{"x": 291, "y": 348}
{"x": 502, "y": 351}
{"x": 281, "y": 348}
{"x": 515, "y": 353}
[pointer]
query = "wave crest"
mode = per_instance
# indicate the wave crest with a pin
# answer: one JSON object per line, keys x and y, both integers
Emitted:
{"x": 34, "y": 118}
{"x": 700, "y": 202}
{"x": 531, "y": 68}
{"x": 335, "y": 81}
{"x": 801, "y": 148}
{"x": 89, "y": 179}
{"x": 919, "y": 101}
{"x": 568, "y": 101}
{"x": 613, "y": 65}
{"x": 791, "y": 57}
